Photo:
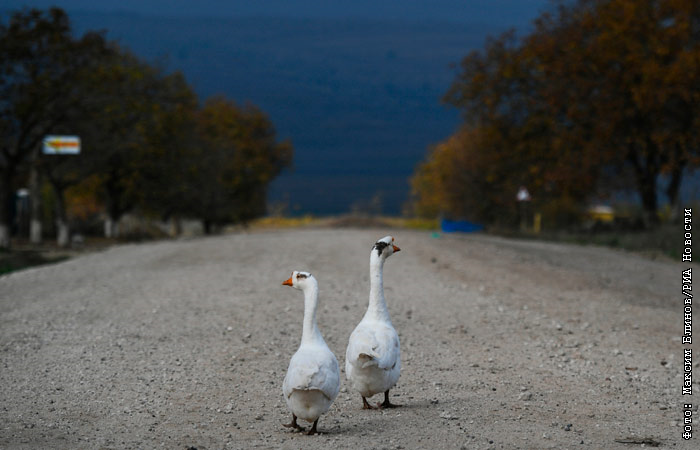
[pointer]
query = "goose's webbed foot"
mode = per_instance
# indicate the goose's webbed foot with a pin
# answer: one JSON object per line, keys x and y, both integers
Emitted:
{"x": 294, "y": 424}
{"x": 313, "y": 429}
{"x": 366, "y": 405}
{"x": 387, "y": 403}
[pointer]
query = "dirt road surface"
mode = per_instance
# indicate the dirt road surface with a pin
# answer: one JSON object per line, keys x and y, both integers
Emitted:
{"x": 505, "y": 344}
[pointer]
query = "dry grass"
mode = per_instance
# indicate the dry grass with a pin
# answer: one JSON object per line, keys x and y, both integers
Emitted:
{"x": 285, "y": 222}
{"x": 664, "y": 241}
{"x": 351, "y": 221}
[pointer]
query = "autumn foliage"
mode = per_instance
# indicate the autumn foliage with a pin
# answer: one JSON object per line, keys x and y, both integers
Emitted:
{"x": 237, "y": 156}
{"x": 602, "y": 96}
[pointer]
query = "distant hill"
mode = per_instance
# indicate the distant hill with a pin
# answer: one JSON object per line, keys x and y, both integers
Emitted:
{"x": 358, "y": 97}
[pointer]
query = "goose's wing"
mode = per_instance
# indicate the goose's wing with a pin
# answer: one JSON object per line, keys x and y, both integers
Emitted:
{"x": 313, "y": 369}
{"x": 374, "y": 345}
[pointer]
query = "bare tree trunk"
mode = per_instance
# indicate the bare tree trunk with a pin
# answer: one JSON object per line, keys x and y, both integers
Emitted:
{"x": 5, "y": 198}
{"x": 35, "y": 231}
{"x": 4, "y": 236}
{"x": 62, "y": 231}
{"x": 672, "y": 191}
{"x": 175, "y": 226}
{"x": 111, "y": 227}
{"x": 108, "y": 227}
{"x": 647, "y": 190}
{"x": 35, "y": 198}
{"x": 114, "y": 214}
{"x": 116, "y": 227}
{"x": 646, "y": 174}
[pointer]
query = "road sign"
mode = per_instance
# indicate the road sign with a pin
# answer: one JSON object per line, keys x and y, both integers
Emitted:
{"x": 61, "y": 145}
{"x": 523, "y": 194}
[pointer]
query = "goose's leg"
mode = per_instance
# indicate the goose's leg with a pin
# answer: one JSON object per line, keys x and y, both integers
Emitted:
{"x": 313, "y": 428}
{"x": 387, "y": 403}
{"x": 294, "y": 424}
{"x": 366, "y": 405}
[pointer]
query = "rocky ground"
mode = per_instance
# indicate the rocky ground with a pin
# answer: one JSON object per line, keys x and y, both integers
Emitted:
{"x": 505, "y": 344}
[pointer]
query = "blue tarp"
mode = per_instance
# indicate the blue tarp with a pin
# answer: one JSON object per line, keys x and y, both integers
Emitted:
{"x": 450, "y": 226}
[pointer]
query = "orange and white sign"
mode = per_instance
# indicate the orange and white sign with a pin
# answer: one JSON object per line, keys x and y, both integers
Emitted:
{"x": 61, "y": 145}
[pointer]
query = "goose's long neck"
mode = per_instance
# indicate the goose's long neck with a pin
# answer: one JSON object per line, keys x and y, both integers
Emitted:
{"x": 310, "y": 332}
{"x": 377, "y": 304}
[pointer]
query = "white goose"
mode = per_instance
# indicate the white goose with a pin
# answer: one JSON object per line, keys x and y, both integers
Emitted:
{"x": 313, "y": 379}
{"x": 373, "y": 356}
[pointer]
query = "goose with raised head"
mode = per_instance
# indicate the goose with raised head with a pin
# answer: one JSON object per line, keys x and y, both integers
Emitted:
{"x": 373, "y": 356}
{"x": 313, "y": 379}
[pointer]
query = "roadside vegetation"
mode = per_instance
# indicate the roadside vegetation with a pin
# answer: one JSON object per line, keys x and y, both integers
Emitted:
{"x": 600, "y": 101}
{"x": 11, "y": 261}
{"x": 664, "y": 241}
{"x": 149, "y": 145}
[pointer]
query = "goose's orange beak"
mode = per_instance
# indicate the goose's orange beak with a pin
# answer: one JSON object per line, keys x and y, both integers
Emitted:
{"x": 288, "y": 282}
{"x": 396, "y": 249}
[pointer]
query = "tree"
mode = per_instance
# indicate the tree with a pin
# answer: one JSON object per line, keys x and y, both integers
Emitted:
{"x": 602, "y": 95}
{"x": 624, "y": 76}
{"x": 164, "y": 167}
{"x": 237, "y": 156}
{"x": 39, "y": 61}
{"x": 128, "y": 131}
{"x": 452, "y": 181}
{"x": 145, "y": 144}
{"x": 509, "y": 139}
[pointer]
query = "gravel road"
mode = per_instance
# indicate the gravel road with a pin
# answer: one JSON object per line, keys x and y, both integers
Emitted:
{"x": 505, "y": 344}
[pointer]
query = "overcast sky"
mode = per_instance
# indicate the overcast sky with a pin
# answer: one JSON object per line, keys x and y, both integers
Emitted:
{"x": 506, "y": 12}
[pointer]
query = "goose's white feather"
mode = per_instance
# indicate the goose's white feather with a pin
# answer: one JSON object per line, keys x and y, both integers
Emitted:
{"x": 373, "y": 358}
{"x": 312, "y": 381}
{"x": 373, "y": 355}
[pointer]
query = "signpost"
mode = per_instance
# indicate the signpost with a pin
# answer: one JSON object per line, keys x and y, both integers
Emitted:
{"x": 524, "y": 199}
{"x": 61, "y": 145}
{"x": 52, "y": 145}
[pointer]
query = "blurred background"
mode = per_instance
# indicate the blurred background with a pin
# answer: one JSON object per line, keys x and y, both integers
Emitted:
{"x": 534, "y": 118}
